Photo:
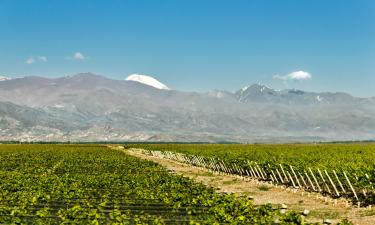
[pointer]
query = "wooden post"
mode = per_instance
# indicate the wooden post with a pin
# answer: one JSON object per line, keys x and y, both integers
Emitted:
{"x": 221, "y": 167}
{"x": 250, "y": 173}
{"x": 212, "y": 164}
{"x": 273, "y": 181}
{"x": 231, "y": 170}
{"x": 294, "y": 185}
{"x": 326, "y": 185}
{"x": 278, "y": 173}
{"x": 264, "y": 172}
{"x": 333, "y": 184}
{"x": 303, "y": 180}
{"x": 226, "y": 171}
{"x": 196, "y": 162}
{"x": 282, "y": 170}
{"x": 218, "y": 167}
{"x": 239, "y": 170}
{"x": 261, "y": 172}
{"x": 294, "y": 173}
{"x": 316, "y": 181}
{"x": 274, "y": 176}
{"x": 338, "y": 180}
{"x": 243, "y": 171}
{"x": 311, "y": 183}
{"x": 235, "y": 168}
{"x": 247, "y": 173}
{"x": 225, "y": 167}
{"x": 350, "y": 185}
{"x": 255, "y": 174}
{"x": 248, "y": 164}
{"x": 256, "y": 171}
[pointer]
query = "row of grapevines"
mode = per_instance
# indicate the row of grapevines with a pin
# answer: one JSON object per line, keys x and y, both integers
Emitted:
{"x": 88, "y": 184}
{"x": 357, "y": 160}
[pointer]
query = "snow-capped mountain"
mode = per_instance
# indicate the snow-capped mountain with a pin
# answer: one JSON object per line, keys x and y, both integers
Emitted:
{"x": 255, "y": 92}
{"x": 264, "y": 94}
{"x": 4, "y": 78}
{"x": 89, "y": 107}
{"x": 144, "y": 79}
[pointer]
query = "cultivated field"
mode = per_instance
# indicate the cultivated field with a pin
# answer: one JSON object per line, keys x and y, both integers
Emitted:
{"x": 93, "y": 184}
{"x": 337, "y": 170}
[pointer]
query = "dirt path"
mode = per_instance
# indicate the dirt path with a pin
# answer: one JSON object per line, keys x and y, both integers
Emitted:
{"x": 320, "y": 207}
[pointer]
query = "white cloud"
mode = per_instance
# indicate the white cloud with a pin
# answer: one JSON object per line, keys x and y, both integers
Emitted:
{"x": 30, "y": 61}
{"x": 42, "y": 58}
{"x": 79, "y": 56}
{"x": 295, "y": 76}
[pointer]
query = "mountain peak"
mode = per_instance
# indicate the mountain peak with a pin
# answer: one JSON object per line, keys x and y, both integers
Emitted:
{"x": 256, "y": 87}
{"x": 147, "y": 80}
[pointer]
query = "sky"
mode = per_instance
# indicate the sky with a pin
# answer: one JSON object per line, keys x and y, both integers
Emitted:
{"x": 196, "y": 45}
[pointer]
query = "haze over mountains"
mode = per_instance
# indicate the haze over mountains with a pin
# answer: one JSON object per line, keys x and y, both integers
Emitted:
{"x": 88, "y": 107}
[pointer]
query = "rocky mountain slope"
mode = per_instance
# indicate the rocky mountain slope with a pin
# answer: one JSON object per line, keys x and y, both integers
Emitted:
{"x": 88, "y": 107}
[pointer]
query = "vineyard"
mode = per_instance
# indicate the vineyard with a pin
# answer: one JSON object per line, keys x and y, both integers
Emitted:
{"x": 338, "y": 170}
{"x": 88, "y": 184}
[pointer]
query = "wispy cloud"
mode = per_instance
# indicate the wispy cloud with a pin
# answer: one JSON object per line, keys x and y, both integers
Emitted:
{"x": 77, "y": 56}
{"x": 32, "y": 60}
{"x": 295, "y": 76}
{"x": 42, "y": 58}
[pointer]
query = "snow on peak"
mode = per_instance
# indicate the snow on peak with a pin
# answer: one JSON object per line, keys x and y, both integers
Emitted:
{"x": 3, "y": 78}
{"x": 257, "y": 87}
{"x": 147, "y": 80}
{"x": 319, "y": 98}
{"x": 245, "y": 88}
{"x": 263, "y": 87}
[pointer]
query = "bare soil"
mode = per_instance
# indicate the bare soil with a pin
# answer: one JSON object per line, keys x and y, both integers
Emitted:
{"x": 320, "y": 207}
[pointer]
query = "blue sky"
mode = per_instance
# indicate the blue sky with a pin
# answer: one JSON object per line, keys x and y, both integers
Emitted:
{"x": 196, "y": 44}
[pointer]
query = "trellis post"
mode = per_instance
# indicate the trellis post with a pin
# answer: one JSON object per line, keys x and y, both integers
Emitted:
{"x": 326, "y": 185}
{"x": 316, "y": 181}
{"x": 333, "y": 184}
{"x": 350, "y": 185}
{"x": 338, "y": 180}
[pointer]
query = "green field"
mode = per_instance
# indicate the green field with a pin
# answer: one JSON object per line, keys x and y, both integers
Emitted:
{"x": 88, "y": 184}
{"x": 357, "y": 160}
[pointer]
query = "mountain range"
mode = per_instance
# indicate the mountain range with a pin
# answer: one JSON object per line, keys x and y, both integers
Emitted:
{"x": 89, "y": 107}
